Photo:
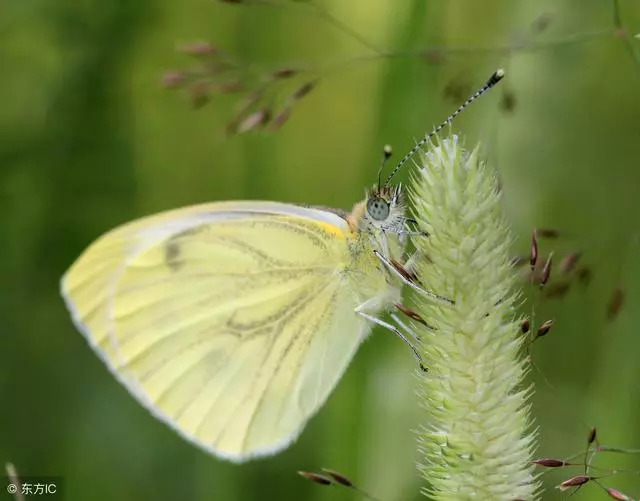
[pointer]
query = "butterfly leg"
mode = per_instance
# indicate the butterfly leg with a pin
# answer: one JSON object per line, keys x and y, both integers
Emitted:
{"x": 414, "y": 335}
{"x": 411, "y": 228}
{"x": 393, "y": 329}
{"x": 406, "y": 277}
{"x": 411, "y": 233}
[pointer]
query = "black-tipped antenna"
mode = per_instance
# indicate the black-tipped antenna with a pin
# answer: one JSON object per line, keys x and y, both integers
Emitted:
{"x": 493, "y": 80}
{"x": 387, "y": 151}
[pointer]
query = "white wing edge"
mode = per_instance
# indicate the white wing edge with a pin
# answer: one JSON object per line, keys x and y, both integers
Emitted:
{"x": 209, "y": 214}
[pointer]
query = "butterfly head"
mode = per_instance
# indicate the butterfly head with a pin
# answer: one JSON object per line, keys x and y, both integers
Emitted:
{"x": 384, "y": 209}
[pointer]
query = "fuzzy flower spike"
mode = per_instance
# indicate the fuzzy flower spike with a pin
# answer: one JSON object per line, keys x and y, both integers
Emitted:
{"x": 477, "y": 440}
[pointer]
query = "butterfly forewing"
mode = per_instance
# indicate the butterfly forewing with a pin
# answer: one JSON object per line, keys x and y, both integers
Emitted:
{"x": 231, "y": 322}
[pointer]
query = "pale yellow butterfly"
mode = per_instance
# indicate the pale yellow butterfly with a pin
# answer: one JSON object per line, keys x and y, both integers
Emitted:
{"x": 232, "y": 322}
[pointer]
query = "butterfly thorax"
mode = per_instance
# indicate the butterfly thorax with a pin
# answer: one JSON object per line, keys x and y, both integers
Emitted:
{"x": 378, "y": 224}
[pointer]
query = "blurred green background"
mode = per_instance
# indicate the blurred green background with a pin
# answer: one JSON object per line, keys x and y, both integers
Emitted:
{"x": 90, "y": 139}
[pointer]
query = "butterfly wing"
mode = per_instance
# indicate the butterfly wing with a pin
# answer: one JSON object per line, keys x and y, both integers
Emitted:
{"x": 231, "y": 322}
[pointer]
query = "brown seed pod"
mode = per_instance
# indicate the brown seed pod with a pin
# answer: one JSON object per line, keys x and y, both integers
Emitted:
{"x": 315, "y": 477}
{"x": 550, "y": 463}
{"x": 550, "y": 233}
{"x": 282, "y": 73}
{"x": 303, "y": 90}
{"x": 616, "y": 494}
{"x": 410, "y": 313}
{"x": 533, "y": 251}
{"x": 576, "y": 481}
{"x": 254, "y": 120}
{"x": 544, "y": 329}
{"x": 569, "y": 262}
{"x": 338, "y": 477}
{"x": 546, "y": 271}
{"x": 408, "y": 275}
{"x": 615, "y": 303}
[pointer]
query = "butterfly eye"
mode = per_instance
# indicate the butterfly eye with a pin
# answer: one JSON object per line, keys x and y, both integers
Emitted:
{"x": 378, "y": 209}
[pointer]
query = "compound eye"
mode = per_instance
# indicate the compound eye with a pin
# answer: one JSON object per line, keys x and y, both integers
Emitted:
{"x": 378, "y": 209}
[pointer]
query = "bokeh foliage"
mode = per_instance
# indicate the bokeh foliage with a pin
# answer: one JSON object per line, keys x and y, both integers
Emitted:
{"x": 90, "y": 139}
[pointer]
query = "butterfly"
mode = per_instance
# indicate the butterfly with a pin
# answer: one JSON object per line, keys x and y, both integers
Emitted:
{"x": 233, "y": 321}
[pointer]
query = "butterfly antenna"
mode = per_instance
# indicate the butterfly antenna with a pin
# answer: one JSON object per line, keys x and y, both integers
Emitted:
{"x": 387, "y": 151}
{"x": 493, "y": 80}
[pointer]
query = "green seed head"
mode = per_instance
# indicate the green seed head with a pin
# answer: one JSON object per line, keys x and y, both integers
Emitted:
{"x": 476, "y": 441}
